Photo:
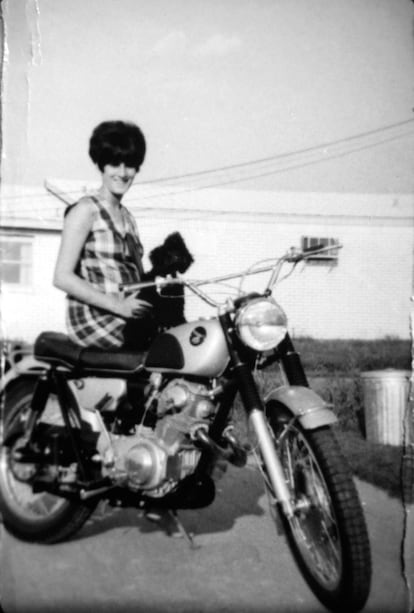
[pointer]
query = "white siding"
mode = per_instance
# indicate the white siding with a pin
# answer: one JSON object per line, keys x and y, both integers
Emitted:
{"x": 366, "y": 295}
{"x": 27, "y": 311}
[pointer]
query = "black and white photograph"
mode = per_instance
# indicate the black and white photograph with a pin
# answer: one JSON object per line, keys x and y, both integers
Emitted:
{"x": 207, "y": 306}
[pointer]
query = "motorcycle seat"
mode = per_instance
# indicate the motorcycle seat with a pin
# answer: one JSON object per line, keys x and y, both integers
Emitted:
{"x": 58, "y": 349}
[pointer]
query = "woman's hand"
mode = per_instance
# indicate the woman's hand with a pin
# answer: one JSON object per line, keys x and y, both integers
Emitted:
{"x": 132, "y": 307}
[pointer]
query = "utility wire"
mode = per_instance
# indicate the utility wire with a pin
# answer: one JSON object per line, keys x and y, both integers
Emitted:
{"x": 279, "y": 156}
{"x": 290, "y": 165}
{"x": 323, "y": 156}
{"x": 249, "y": 177}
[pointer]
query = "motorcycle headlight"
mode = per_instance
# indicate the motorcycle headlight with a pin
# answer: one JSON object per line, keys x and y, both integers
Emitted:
{"x": 261, "y": 324}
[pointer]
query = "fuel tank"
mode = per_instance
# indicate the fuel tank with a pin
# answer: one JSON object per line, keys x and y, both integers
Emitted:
{"x": 198, "y": 348}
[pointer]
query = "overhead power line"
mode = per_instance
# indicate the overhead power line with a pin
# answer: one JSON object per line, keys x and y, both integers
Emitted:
{"x": 283, "y": 163}
{"x": 297, "y": 152}
{"x": 253, "y": 169}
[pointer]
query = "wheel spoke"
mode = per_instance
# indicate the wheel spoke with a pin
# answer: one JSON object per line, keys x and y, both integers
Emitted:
{"x": 327, "y": 533}
{"x": 315, "y": 527}
{"x": 22, "y": 497}
{"x": 27, "y": 504}
{"x": 32, "y": 516}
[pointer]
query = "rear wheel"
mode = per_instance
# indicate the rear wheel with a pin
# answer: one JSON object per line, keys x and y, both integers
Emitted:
{"x": 36, "y": 517}
{"x": 327, "y": 533}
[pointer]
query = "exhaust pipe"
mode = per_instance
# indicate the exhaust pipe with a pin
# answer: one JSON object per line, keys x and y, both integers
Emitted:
{"x": 236, "y": 455}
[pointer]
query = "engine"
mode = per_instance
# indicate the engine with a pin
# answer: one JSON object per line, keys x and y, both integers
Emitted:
{"x": 156, "y": 460}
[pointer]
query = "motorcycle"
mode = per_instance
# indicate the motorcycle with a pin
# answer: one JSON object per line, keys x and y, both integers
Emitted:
{"x": 153, "y": 430}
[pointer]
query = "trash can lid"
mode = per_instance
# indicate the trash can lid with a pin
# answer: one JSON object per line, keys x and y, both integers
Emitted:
{"x": 393, "y": 373}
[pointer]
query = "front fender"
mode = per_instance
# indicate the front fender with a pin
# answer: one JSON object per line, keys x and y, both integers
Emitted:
{"x": 311, "y": 410}
{"x": 28, "y": 365}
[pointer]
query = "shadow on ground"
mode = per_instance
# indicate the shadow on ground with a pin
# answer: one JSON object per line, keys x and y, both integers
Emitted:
{"x": 235, "y": 497}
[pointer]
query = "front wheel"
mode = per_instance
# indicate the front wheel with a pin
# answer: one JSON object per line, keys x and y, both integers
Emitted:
{"x": 327, "y": 533}
{"x": 36, "y": 517}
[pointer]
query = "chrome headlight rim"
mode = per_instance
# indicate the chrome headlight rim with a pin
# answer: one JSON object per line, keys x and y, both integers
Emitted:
{"x": 261, "y": 323}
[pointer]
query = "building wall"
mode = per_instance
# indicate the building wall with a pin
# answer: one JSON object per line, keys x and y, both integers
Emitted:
{"x": 26, "y": 311}
{"x": 365, "y": 295}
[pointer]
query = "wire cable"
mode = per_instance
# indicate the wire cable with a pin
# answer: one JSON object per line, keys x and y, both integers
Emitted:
{"x": 279, "y": 156}
{"x": 260, "y": 168}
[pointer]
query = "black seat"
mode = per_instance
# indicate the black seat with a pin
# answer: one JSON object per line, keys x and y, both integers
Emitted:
{"x": 57, "y": 348}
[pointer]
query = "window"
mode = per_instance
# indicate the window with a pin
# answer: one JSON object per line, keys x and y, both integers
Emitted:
{"x": 16, "y": 260}
{"x": 310, "y": 243}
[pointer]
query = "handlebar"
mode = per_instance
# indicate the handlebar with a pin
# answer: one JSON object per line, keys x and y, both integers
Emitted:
{"x": 293, "y": 256}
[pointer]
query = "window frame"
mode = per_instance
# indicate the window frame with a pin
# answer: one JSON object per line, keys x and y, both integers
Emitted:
{"x": 26, "y": 280}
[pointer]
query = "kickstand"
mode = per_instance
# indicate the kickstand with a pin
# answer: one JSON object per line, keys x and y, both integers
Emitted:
{"x": 179, "y": 529}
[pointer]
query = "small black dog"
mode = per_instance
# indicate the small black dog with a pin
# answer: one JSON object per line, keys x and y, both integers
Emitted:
{"x": 170, "y": 258}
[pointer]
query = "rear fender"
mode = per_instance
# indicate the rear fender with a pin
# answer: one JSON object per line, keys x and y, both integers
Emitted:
{"x": 27, "y": 366}
{"x": 311, "y": 410}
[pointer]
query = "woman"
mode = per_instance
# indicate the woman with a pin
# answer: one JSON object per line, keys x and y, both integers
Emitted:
{"x": 100, "y": 248}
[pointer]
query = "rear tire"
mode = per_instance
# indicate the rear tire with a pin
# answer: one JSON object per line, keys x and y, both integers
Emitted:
{"x": 328, "y": 534}
{"x": 35, "y": 517}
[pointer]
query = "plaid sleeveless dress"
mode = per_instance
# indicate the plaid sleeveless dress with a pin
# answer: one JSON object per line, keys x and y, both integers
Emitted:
{"x": 105, "y": 262}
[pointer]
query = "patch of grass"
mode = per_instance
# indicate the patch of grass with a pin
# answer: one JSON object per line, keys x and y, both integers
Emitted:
{"x": 344, "y": 356}
{"x": 374, "y": 463}
{"x": 344, "y": 393}
{"x": 335, "y": 367}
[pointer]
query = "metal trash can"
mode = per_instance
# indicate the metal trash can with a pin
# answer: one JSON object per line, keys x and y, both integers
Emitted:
{"x": 385, "y": 397}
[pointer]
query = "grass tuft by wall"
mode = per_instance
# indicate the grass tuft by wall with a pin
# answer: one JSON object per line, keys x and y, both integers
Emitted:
{"x": 334, "y": 369}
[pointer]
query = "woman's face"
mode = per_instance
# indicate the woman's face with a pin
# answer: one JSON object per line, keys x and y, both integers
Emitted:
{"x": 118, "y": 179}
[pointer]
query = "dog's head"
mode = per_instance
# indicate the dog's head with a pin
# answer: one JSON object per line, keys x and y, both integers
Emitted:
{"x": 171, "y": 257}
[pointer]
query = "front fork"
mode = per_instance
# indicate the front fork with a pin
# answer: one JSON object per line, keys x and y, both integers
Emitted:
{"x": 292, "y": 365}
{"x": 255, "y": 409}
{"x": 256, "y": 414}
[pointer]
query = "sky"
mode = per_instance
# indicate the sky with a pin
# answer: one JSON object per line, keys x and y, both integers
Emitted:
{"x": 221, "y": 84}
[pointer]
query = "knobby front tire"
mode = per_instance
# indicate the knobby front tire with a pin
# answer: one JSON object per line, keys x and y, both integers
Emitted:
{"x": 33, "y": 517}
{"x": 328, "y": 534}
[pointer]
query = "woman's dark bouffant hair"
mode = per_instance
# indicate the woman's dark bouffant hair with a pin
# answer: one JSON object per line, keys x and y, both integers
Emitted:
{"x": 114, "y": 142}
